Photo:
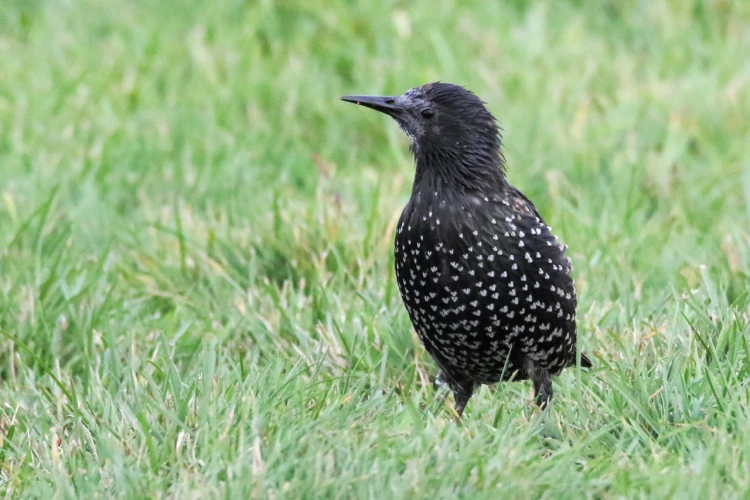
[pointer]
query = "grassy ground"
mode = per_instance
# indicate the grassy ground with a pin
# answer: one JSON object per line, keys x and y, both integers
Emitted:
{"x": 196, "y": 287}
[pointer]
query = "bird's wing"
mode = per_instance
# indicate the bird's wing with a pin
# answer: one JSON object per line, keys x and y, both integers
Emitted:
{"x": 524, "y": 204}
{"x": 553, "y": 262}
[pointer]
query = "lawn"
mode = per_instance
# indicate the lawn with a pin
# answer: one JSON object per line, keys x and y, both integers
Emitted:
{"x": 197, "y": 297}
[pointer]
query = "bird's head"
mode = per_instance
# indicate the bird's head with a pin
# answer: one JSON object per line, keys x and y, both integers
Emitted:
{"x": 446, "y": 123}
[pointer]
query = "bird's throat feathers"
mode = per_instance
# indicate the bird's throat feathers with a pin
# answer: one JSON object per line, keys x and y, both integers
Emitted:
{"x": 471, "y": 165}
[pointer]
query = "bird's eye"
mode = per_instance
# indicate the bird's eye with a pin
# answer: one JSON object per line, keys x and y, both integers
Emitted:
{"x": 428, "y": 113}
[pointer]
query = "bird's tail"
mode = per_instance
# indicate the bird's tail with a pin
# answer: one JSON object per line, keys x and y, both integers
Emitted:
{"x": 585, "y": 361}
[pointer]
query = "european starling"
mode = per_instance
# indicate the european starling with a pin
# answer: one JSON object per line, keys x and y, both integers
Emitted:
{"x": 486, "y": 284}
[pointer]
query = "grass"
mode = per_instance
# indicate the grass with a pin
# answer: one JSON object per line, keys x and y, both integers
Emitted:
{"x": 196, "y": 287}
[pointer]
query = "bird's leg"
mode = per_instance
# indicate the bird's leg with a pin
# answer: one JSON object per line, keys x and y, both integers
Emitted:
{"x": 462, "y": 393}
{"x": 440, "y": 381}
{"x": 542, "y": 387}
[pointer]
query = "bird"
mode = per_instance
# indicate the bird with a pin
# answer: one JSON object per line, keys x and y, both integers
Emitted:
{"x": 486, "y": 284}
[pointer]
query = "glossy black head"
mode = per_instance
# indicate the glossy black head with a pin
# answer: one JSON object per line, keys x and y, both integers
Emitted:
{"x": 450, "y": 128}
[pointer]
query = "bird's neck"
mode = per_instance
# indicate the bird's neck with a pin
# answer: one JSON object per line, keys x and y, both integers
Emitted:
{"x": 453, "y": 169}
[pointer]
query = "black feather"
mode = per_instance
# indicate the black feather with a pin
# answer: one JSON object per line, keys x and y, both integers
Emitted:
{"x": 486, "y": 284}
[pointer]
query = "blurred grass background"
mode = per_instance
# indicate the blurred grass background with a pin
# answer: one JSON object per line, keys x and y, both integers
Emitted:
{"x": 196, "y": 286}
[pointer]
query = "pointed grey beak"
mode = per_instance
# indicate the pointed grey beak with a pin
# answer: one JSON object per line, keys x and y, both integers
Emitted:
{"x": 389, "y": 105}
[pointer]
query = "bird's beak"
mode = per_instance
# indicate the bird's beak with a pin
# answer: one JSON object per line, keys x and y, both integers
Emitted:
{"x": 389, "y": 105}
